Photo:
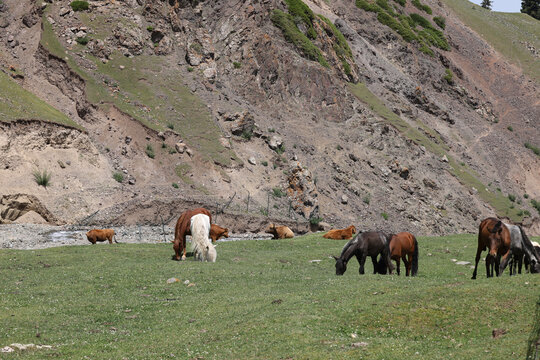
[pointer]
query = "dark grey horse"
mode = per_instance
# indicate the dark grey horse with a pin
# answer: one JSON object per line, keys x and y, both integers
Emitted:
{"x": 522, "y": 248}
{"x": 369, "y": 243}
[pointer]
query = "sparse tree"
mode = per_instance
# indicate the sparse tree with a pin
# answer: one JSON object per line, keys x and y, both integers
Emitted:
{"x": 486, "y": 4}
{"x": 531, "y": 7}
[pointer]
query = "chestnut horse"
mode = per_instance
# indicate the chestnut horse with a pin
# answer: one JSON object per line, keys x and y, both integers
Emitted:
{"x": 370, "y": 243}
{"x": 402, "y": 246}
{"x": 182, "y": 229}
{"x": 494, "y": 236}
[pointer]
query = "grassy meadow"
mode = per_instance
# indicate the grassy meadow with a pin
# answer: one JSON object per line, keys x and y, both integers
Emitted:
{"x": 260, "y": 300}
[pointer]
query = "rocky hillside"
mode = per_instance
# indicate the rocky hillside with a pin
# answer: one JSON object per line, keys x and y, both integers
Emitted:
{"x": 389, "y": 114}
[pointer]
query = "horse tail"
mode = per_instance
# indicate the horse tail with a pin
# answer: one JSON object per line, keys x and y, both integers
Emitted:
{"x": 382, "y": 268}
{"x": 414, "y": 267}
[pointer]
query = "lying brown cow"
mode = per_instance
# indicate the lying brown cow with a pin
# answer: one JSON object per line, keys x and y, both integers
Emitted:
{"x": 341, "y": 234}
{"x": 279, "y": 231}
{"x": 101, "y": 235}
{"x": 217, "y": 232}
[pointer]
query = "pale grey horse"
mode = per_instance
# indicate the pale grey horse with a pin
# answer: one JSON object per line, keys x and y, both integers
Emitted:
{"x": 522, "y": 248}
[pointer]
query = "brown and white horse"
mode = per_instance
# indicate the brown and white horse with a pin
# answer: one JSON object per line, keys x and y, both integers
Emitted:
{"x": 182, "y": 229}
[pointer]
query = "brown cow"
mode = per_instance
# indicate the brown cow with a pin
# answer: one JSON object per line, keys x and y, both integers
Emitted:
{"x": 341, "y": 234}
{"x": 279, "y": 231}
{"x": 182, "y": 229}
{"x": 494, "y": 236}
{"x": 217, "y": 232}
{"x": 101, "y": 235}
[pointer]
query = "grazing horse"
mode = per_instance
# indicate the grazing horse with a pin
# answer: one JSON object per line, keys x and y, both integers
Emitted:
{"x": 101, "y": 235}
{"x": 203, "y": 249}
{"x": 494, "y": 236}
{"x": 341, "y": 234}
{"x": 182, "y": 229}
{"x": 402, "y": 246}
{"x": 370, "y": 243}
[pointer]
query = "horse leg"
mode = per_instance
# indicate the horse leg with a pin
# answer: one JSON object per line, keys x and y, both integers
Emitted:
{"x": 398, "y": 266}
{"x": 504, "y": 262}
{"x": 361, "y": 260}
{"x": 407, "y": 261}
{"x": 478, "y": 253}
{"x": 374, "y": 261}
{"x": 489, "y": 266}
{"x": 520, "y": 263}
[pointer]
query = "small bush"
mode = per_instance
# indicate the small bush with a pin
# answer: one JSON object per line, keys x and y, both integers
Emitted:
{"x": 280, "y": 149}
{"x": 510, "y": 128}
{"x": 526, "y": 196}
{"x": 79, "y": 5}
{"x": 533, "y": 148}
{"x": 401, "y": 2}
{"x": 42, "y": 178}
{"x": 163, "y": 145}
{"x": 384, "y": 215}
{"x": 150, "y": 151}
{"x": 237, "y": 65}
{"x": 246, "y": 134}
{"x": 526, "y": 213}
{"x": 263, "y": 211}
{"x": 277, "y": 192}
{"x": 440, "y": 21}
{"x": 82, "y": 40}
{"x": 299, "y": 10}
{"x": 536, "y": 205}
{"x": 150, "y": 28}
{"x": 422, "y": 7}
{"x": 196, "y": 47}
{"x": 170, "y": 126}
{"x": 190, "y": 69}
{"x": 175, "y": 185}
{"x": 272, "y": 130}
{"x": 511, "y": 197}
{"x": 118, "y": 176}
{"x": 172, "y": 150}
{"x": 315, "y": 220}
{"x": 449, "y": 76}
{"x": 366, "y": 199}
{"x": 264, "y": 163}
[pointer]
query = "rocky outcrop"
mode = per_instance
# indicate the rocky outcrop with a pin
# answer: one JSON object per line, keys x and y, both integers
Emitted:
{"x": 13, "y": 207}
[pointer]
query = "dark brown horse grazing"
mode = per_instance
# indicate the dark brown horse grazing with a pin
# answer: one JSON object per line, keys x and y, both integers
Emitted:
{"x": 182, "y": 229}
{"x": 494, "y": 236}
{"x": 402, "y": 246}
{"x": 370, "y": 243}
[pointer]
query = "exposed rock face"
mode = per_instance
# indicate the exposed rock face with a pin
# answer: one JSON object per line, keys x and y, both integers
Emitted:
{"x": 302, "y": 191}
{"x": 13, "y": 207}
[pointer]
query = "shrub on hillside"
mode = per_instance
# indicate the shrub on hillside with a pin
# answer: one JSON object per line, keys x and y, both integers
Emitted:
{"x": 42, "y": 178}
{"x": 79, "y": 5}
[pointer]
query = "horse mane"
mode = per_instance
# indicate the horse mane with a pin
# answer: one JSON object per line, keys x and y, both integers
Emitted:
{"x": 528, "y": 244}
{"x": 347, "y": 246}
{"x": 200, "y": 231}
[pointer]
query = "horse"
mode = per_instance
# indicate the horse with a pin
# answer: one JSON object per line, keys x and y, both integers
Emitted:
{"x": 341, "y": 234}
{"x": 182, "y": 229}
{"x": 494, "y": 236}
{"x": 203, "y": 249}
{"x": 279, "y": 231}
{"x": 402, "y": 246}
{"x": 101, "y": 235}
{"x": 370, "y": 243}
{"x": 523, "y": 250}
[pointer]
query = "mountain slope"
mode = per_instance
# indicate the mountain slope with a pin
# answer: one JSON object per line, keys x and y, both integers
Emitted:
{"x": 384, "y": 120}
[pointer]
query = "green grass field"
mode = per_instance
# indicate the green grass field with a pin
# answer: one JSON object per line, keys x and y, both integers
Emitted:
{"x": 260, "y": 300}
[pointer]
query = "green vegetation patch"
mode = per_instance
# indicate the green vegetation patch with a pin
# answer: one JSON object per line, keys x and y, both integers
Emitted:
{"x": 18, "y": 104}
{"x": 79, "y": 5}
{"x": 292, "y": 34}
{"x": 506, "y": 32}
{"x": 466, "y": 176}
{"x": 534, "y": 149}
{"x": 260, "y": 300}
{"x": 440, "y": 21}
{"x": 422, "y": 7}
{"x": 298, "y": 9}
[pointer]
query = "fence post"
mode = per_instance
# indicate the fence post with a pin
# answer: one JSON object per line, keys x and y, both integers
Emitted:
{"x": 163, "y": 228}
{"x": 268, "y": 205}
{"x": 140, "y": 235}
